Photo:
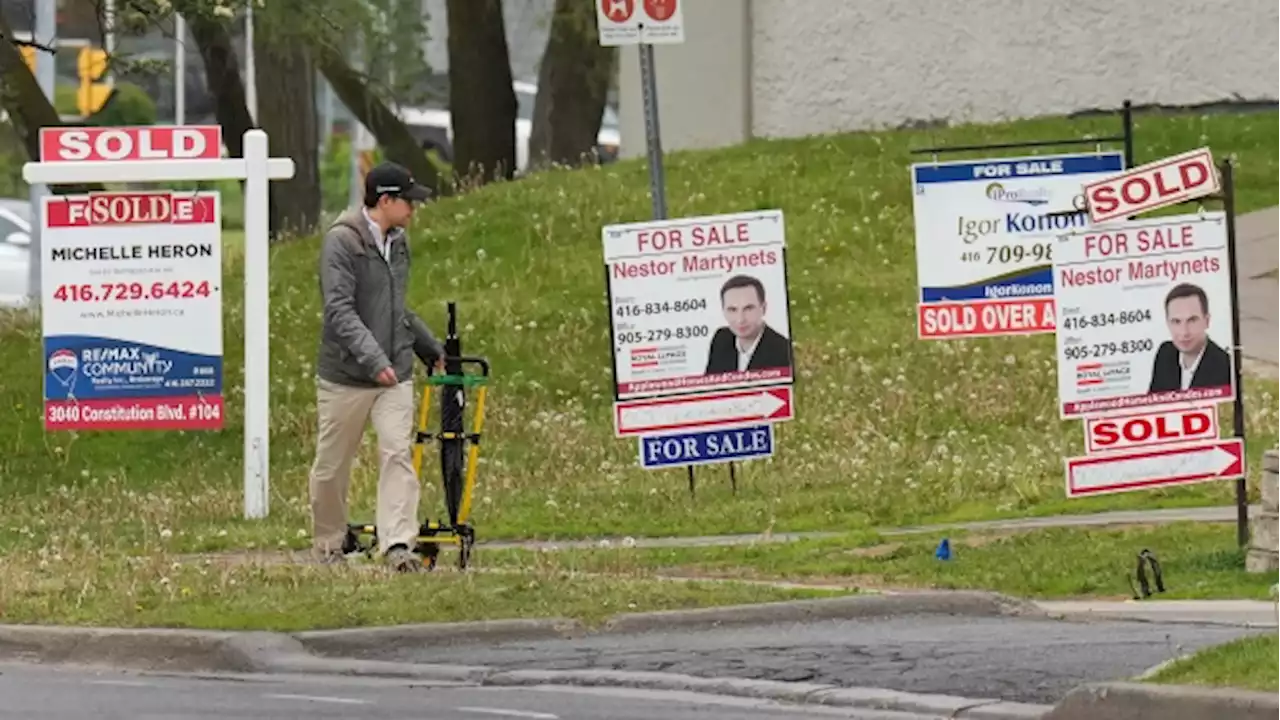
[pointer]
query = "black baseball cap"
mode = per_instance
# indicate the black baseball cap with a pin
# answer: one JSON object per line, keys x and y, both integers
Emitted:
{"x": 389, "y": 178}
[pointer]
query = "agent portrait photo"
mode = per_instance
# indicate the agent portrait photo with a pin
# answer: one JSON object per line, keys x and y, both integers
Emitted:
{"x": 1189, "y": 359}
{"x": 746, "y": 342}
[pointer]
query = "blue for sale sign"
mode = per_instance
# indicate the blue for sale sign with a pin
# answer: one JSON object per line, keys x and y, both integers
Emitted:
{"x": 705, "y": 447}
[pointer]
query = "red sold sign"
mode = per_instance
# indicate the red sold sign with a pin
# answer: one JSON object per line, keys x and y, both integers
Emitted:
{"x": 128, "y": 144}
{"x": 1152, "y": 186}
{"x": 1121, "y": 432}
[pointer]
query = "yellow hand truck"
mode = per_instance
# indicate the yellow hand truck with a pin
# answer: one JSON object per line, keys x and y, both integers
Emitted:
{"x": 458, "y": 475}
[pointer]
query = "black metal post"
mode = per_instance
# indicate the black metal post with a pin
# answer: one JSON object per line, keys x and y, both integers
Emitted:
{"x": 1126, "y": 122}
{"x": 1242, "y": 487}
{"x": 733, "y": 478}
{"x": 452, "y": 399}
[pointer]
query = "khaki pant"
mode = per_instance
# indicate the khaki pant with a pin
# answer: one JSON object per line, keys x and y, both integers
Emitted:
{"x": 343, "y": 412}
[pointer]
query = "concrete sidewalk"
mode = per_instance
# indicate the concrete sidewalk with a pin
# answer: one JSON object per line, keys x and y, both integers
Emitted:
{"x": 1238, "y": 613}
{"x": 1258, "y": 260}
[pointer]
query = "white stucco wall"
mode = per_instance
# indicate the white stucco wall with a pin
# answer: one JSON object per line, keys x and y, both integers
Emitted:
{"x": 817, "y": 66}
{"x": 826, "y": 66}
{"x": 704, "y": 97}
{"x": 527, "y": 23}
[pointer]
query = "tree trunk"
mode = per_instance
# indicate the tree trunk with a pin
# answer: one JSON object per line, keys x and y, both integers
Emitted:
{"x": 222, "y": 73}
{"x": 482, "y": 101}
{"x": 395, "y": 139}
{"x": 28, "y": 108}
{"x": 287, "y": 112}
{"x": 573, "y": 86}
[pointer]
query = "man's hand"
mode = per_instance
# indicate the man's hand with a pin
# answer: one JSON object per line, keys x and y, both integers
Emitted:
{"x": 440, "y": 365}
{"x": 387, "y": 377}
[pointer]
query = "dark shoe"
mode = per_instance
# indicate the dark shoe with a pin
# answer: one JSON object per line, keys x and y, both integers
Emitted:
{"x": 401, "y": 559}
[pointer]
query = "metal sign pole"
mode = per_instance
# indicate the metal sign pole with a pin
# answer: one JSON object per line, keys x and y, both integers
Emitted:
{"x": 44, "y": 33}
{"x": 653, "y": 147}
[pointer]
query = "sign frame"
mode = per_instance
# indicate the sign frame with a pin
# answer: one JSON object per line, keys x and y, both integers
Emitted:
{"x": 257, "y": 169}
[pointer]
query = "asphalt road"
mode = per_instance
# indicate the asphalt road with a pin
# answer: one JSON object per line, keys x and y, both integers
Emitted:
{"x": 31, "y": 692}
{"x": 1017, "y": 659}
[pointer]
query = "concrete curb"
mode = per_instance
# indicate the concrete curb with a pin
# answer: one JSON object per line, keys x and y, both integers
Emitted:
{"x": 146, "y": 649}
{"x": 798, "y": 693}
{"x": 196, "y": 651}
{"x": 1137, "y": 701}
{"x": 346, "y": 652}
{"x": 362, "y": 642}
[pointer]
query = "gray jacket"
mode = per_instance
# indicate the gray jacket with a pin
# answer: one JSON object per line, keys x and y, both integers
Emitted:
{"x": 366, "y": 325}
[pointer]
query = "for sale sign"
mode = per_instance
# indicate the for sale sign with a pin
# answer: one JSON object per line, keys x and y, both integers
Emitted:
{"x": 1144, "y": 315}
{"x": 985, "y": 232}
{"x": 698, "y": 304}
{"x": 1153, "y": 186}
{"x": 132, "y": 311}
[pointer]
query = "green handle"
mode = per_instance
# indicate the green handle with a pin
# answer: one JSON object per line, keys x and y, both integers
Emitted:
{"x": 457, "y": 379}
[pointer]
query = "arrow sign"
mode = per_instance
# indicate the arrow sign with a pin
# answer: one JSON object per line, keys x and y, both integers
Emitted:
{"x": 1138, "y": 470}
{"x": 700, "y": 412}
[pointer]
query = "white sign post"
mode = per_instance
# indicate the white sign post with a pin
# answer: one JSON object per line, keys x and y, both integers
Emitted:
{"x": 155, "y": 154}
{"x": 985, "y": 232}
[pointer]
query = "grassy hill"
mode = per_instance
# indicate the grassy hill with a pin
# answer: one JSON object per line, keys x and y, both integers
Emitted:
{"x": 889, "y": 430}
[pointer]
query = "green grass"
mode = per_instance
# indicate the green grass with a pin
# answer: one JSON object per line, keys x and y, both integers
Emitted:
{"x": 1198, "y": 560}
{"x": 1251, "y": 663}
{"x": 78, "y": 587}
{"x": 890, "y": 429}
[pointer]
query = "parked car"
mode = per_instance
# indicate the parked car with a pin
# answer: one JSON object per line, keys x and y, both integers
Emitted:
{"x": 434, "y": 128}
{"x": 15, "y": 253}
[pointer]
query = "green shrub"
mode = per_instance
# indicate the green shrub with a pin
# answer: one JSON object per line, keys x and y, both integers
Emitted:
{"x": 128, "y": 105}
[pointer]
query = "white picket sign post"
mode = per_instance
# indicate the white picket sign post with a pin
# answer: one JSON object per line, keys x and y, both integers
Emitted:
{"x": 150, "y": 163}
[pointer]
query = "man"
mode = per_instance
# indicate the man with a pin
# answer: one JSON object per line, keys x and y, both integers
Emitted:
{"x": 747, "y": 343}
{"x": 367, "y": 348}
{"x": 1190, "y": 359}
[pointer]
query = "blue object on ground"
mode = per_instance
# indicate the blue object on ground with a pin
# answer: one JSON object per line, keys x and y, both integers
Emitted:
{"x": 944, "y": 550}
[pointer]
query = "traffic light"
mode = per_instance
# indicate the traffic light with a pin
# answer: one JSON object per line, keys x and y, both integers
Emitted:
{"x": 92, "y": 65}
